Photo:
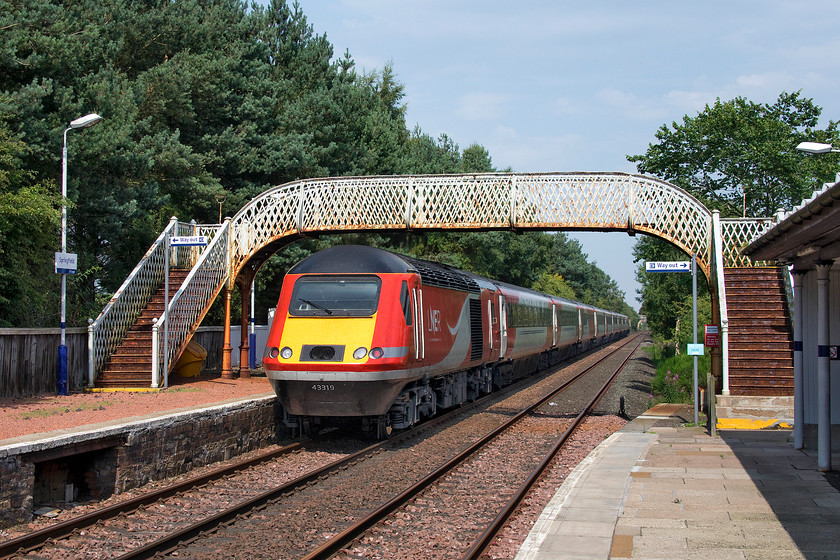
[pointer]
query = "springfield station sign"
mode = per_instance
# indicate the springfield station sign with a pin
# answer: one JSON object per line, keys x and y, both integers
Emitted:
{"x": 66, "y": 263}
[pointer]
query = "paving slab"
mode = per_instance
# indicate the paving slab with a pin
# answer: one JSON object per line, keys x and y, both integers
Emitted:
{"x": 686, "y": 495}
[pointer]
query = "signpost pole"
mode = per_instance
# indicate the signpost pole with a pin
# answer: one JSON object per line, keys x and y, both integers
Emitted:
{"x": 173, "y": 241}
{"x": 694, "y": 316}
{"x": 166, "y": 315}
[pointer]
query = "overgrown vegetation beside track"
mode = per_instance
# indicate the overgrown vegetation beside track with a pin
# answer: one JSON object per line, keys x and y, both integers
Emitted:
{"x": 674, "y": 379}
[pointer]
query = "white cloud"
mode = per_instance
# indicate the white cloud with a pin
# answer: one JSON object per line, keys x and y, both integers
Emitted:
{"x": 775, "y": 81}
{"x": 689, "y": 102}
{"x": 566, "y": 106}
{"x": 482, "y": 105}
{"x": 630, "y": 106}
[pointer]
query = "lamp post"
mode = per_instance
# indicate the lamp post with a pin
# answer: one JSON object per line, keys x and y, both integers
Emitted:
{"x": 65, "y": 264}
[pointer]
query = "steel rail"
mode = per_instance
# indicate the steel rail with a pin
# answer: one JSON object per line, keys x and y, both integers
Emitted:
{"x": 32, "y": 541}
{"x": 342, "y": 539}
{"x": 179, "y": 538}
{"x": 497, "y": 524}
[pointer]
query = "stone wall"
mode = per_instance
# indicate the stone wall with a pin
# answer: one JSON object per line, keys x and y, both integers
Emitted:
{"x": 100, "y": 462}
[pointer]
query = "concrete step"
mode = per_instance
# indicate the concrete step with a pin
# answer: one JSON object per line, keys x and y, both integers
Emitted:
{"x": 755, "y": 408}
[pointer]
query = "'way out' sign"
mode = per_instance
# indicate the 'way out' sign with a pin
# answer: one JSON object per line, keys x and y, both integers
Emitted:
{"x": 668, "y": 266}
{"x": 188, "y": 240}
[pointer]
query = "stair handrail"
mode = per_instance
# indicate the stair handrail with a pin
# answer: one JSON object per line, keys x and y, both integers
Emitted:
{"x": 125, "y": 306}
{"x": 191, "y": 302}
{"x": 733, "y": 234}
{"x": 719, "y": 264}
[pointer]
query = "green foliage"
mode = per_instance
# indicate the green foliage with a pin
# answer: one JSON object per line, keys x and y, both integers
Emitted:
{"x": 739, "y": 156}
{"x": 550, "y": 283}
{"x": 674, "y": 379}
{"x": 29, "y": 225}
{"x": 205, "y": 102}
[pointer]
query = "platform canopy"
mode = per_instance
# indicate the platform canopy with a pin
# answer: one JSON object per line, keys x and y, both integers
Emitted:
{"x": 808, "y": 238}
{"x": 805, "y": 236}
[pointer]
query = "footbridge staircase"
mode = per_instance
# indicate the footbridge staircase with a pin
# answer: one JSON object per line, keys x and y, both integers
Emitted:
{"x": 138, "y": 323}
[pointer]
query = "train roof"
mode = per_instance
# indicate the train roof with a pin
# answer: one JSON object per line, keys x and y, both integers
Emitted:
{"x": 361, "y": 259}
{"x": 351, "y": 259}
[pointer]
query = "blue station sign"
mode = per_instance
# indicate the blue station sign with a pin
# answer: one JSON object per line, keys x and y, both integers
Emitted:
{"x": 188, "y": 240}
{"x": 668, "y": 266}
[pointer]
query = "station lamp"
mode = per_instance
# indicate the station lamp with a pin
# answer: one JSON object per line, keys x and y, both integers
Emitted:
{"x": 82, "y": 122}
{"x": 816, "y": 148}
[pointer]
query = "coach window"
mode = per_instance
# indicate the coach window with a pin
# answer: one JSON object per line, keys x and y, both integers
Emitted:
{"x": 405, "y": 301}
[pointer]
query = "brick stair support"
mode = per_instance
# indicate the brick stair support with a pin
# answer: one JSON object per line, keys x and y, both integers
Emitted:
{"x": 760, "y": 333}
{"x": 131, "y": 363}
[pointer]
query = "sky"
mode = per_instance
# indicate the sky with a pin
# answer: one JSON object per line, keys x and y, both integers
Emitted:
{"x": 578, "y": 86}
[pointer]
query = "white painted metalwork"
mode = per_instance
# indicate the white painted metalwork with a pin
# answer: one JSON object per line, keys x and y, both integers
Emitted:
{"x": 189, "y": 304}
{"x": 738, "y": 233}
{"x": 106, "y": 332}
{"x": 549, "y": 201}
{"x": 717, "y": 244}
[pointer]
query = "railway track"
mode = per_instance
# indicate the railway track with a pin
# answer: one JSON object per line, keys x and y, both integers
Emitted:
{"x": 373, "y": 536}
{"x": 275, "y": 504}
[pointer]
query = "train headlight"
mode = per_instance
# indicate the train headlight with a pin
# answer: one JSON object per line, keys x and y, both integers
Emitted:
{"x": 376, "y": 353}
{"x": 273, "y": 352}
{"x": 286, "y": 353}
{"x": 360, "y": 353}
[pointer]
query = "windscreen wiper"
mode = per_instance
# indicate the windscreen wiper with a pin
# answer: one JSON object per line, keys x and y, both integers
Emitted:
{"x": 315, "y": 305}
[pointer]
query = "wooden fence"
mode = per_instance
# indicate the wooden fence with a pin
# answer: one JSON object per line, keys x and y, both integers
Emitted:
{"x": 29, "y": 360}
{"x": 29, "y": 357}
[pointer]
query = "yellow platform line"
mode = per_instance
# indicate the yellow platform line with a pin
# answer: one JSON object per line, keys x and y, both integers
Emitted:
{"x": 750, "y": 424}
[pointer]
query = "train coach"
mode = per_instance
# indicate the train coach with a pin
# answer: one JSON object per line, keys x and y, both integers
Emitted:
{"x": 365, "y": 334}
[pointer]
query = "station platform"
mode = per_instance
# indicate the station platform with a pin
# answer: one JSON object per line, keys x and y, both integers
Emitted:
{"x": 658, "y": 490}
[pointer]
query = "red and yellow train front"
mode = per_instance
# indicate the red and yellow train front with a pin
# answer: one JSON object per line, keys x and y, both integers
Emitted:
{"x": 341, "y": 344}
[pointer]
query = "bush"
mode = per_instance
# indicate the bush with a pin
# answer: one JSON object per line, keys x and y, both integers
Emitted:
{"x": 674, "y": 380}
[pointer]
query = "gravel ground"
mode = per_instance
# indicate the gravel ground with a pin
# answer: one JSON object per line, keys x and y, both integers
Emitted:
{"x": 46, "y": 413}
{"x": 633, "y": 384}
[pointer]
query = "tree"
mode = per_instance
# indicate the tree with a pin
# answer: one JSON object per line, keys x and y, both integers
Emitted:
{"x": 29, "y": 225}
{"x": 549, "y": 283}
{"x": 476, "y": 159}
{"x": 739, "y": 156}
{"x": 203, "y": 101}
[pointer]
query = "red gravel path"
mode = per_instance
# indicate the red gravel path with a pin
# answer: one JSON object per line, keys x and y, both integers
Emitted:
{"x": 46, "y": 413}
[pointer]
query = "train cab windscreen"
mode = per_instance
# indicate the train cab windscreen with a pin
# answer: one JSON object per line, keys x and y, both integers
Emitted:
{"x": 335, "y": 296}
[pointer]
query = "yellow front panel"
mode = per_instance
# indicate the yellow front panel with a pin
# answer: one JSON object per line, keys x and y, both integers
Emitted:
{"x": 352, "y": 332}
